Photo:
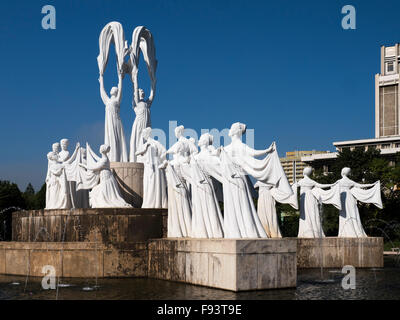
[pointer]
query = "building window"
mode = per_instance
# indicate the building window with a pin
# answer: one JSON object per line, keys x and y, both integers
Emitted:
{"x": 385, "y": 146}
{"x": 389, "y": 67}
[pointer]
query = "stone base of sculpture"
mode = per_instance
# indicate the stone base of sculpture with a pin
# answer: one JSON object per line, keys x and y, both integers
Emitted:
{"x": 74, "y": 259}
{"x": 334, "y": 252}
{"x": 102, "y": 225}
{"x": 230, "y": 264}
{"x": 129, "y": 176}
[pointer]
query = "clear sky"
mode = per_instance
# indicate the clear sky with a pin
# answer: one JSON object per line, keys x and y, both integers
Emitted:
{"x": 285, "y": 68}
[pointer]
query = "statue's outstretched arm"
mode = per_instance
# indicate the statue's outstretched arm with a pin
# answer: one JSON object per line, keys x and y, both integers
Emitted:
{"x": 103, "y": 93}
{"x": 151, "y": 97}
{"x": 359, "y": 185}
{"x": 120, "y": 78}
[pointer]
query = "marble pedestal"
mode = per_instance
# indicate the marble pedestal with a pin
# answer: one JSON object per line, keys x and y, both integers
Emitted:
{"x": 334, "y": 252}
{"x": 231, "y": 264}
{"x": 129, "y": 176}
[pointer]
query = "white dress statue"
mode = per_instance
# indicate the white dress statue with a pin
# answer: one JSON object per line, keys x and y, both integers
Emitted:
{"x": 207, "y": 221}
{"x": 349, "y": 218}
{"x": 142, "y": 121}
{"x": 57, "y": 188}
{"x": 311, "y": 195}
{"x": 179, "y": 203}
{"x": 238, "y": 160}
{"x": 267, "y": 197}
{"x": 113, "y": 130}
{"x": 154, "y": 180}
{"x": 142, "y": 41}
{"x": 105, "y": 191}
{"x": 65, "y": 158}
{"x": 75, "y": 174}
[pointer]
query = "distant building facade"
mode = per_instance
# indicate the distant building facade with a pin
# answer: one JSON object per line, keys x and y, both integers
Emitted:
{"x": 293, "y": 165}
{"x": 387, "y": 114}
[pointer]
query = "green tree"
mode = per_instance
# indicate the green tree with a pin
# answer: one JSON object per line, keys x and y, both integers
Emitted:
{"x": 10, "y": 199}
{"x": 29, "y": 197}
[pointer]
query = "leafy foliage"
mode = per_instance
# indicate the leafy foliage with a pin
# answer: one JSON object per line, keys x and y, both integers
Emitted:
{"x": 12, "y": 199}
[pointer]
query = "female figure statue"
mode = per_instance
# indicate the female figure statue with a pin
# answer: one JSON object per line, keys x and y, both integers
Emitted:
{"x": 57, "y": 190}
{"x": 179, "y": 204}
{"x": 349, "y": 216}
{"x": 142, "y": 121}
{"x": 105, "y": 192}
{"x": 154, "y": 180}
{"x": 267, "y": 197}
{"x": 113, "y": 129}
{"x": 240, "y": 216}
{"x": 207, "y": 221}
{"x": 311, "y": 194}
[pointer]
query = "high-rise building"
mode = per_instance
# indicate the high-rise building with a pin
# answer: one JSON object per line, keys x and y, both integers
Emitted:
{"x": 387, "y": 92}
{"x": 293, "y": 166}
{"x": 387, "y": 114}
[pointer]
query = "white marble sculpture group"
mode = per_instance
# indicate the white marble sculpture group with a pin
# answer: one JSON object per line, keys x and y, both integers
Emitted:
{"x": 187, "y": 180}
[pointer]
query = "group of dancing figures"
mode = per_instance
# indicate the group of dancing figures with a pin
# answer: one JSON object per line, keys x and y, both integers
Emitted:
{"x": 81, "y": 180}
{"x": 194, "y": 178}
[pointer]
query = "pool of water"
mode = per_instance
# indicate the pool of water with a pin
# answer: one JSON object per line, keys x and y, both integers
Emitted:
{"x": 374, "y": 283}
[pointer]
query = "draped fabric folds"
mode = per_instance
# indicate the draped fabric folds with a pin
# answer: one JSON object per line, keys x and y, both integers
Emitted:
{"x": 371, "y": 195}
{"x": 268, "y": 170}
{"x": 311, "y": 196}
{"x": 350, "y": 225}
{"x": 330, "y": 196}
{"x": 154, "y": 180}
{"x": 179, "y": 206}
{"x": 240, "y": 216}
{"x": 266, "y": 209}
{"x": 207, "y": 221}
{"x": 142, "y": 40}
{"x": 57, "y": 187}
{"x": 111, "y": 33}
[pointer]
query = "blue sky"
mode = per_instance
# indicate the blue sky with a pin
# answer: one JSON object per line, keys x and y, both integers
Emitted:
{"x": 285, "y": 68}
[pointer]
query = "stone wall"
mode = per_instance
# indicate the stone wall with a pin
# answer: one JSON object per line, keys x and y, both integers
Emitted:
{"x": 231, "y": 264}
{"x": 74, "y": 259}
{"x": 337, "y": 252}
{"x": 89, "y": 225}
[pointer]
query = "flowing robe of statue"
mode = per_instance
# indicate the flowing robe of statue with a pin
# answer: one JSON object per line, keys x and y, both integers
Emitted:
{"x": 349, "y": 217}
{"x": 57, "y": 187}
{"x": 142, "y": 41}
{"x": 238, "y": 160}
{"x": 311, "y": 195}
{"x": 142, "y": 121}
{"x": 266, "y": 209}
{"x": 113, "y": 130}
{"x": 105, "y": 191}
{"x": 240, "y": 216}
{"x": 179, "y": 206}
{"x": 179, "y": 199}
{"x": 154, "y": 180}
{"x": 75, "y": 173}
{"x": 207, "y": 221}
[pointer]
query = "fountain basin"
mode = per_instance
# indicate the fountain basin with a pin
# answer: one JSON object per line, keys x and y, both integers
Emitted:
{"x": 74, "y": 259}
